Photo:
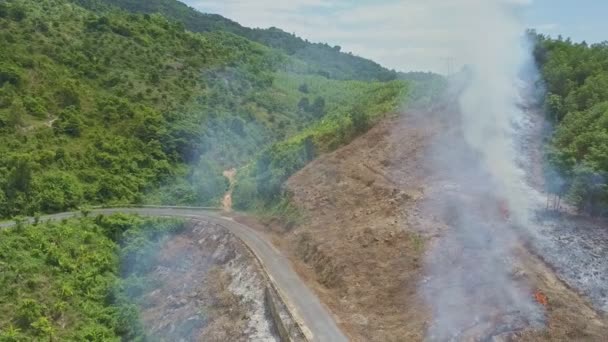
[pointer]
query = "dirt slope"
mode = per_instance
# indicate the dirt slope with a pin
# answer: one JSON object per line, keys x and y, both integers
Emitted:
{"x": 361, "y": 246}
{"x": 363, "y": 241}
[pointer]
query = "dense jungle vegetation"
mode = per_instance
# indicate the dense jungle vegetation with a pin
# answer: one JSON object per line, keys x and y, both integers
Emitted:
{"x": 78, "y": 280}
{"x": 576, "y": 80}
{"x": 104, "y": 106}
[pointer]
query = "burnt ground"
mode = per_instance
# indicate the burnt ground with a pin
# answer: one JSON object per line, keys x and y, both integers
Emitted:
{"x": 368, "y": 232}
{"x": 206, "y": 287}
{"x": 577, "y": 248}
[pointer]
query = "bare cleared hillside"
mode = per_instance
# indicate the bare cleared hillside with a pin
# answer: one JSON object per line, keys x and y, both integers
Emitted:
{"x": 370, "y": 225}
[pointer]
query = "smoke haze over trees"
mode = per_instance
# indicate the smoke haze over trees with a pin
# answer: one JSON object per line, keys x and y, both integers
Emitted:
{"x": 105, "y": 106}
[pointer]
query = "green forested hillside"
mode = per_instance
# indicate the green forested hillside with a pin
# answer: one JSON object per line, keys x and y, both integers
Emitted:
{"x": 112, "y": 107}
{"x": 576, "y": 78}
{"x": 318, "y": 58}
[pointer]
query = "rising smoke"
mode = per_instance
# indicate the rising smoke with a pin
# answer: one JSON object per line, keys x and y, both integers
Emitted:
{"x": 490, "y": 104}
{"x": 473, "y": 284}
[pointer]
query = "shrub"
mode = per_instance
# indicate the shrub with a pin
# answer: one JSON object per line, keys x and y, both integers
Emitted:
{"x": 303, "y": 88}
{"x": 28, "y": 312}
{"x": 304, "y": 104}
{"x": 37, "y": 217}
{"x": 9, "y": 74}
{"x": 85, "y": 211}
{"x": 69, "y": 122}
{"x": 318, "y": 107}
{"x": 16, "y": 113}
{"x": 4, "y": 11}
{"x": 3, "y": 204}
{"x": 34, "y": 107}
{"x": 42, "y": 327}
{"x": 20, "y": 223}
{"x": 244, "y": 194}
{"x": 11, "y": 334}
{"x": 359, "y": 119}
{"x": 67, "y": 95}
{"x": 59, "y": 191}
{"x": 17, "y": 13}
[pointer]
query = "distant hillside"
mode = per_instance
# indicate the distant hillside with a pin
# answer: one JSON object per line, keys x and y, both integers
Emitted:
{"x": 427, "y": 90}
{"x": 320, "y": 58}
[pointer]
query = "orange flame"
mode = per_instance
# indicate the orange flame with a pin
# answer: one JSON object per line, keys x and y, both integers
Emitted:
{"x": 541, "y": 298}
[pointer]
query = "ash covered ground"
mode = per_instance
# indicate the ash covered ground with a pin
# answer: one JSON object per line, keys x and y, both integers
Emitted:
{"x": 576, "y": 247}
{"x": 206, "y": 287}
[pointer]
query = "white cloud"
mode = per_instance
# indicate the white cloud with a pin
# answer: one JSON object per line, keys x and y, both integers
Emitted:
{"x": 400, "y": 34}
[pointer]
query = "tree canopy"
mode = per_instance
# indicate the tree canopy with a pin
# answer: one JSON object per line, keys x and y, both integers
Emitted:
{"x": 576, "y": 79}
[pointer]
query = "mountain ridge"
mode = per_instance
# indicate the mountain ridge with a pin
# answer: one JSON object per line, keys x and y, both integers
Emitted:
{"x": 322, "y": 58}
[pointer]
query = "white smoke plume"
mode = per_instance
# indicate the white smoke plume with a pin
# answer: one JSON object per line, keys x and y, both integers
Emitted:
{"x": 496, "y": 54}
{"x": 473, "y": 284}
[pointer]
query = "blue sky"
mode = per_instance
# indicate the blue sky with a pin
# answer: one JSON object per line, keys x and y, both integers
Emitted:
{"x": 412, "y": 34}
{"x": 580, "y": 20}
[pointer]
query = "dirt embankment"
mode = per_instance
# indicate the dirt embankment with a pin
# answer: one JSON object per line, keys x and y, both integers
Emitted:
{"x": 363, "y": 242}
{"x": 208, "y": 287}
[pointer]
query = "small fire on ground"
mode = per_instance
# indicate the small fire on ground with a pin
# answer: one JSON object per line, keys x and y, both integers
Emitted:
{"x": 541, "y": 298}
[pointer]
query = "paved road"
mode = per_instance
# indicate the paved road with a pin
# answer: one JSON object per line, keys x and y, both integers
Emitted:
{"x": 315, "y": 319}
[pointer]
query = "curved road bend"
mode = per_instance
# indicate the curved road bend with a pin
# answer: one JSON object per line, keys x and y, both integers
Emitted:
{"x": 316, "y": 321}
